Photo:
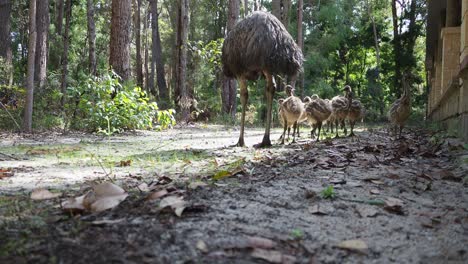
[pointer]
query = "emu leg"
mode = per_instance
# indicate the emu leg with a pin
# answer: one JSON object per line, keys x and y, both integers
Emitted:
{"x": 244, "y": 98}
{"x": 319, "y": 125}
{"x": 343, "y": 126}
{"x": 336, "y": 128}
{"x": 297, "y": 130}
{"x": 351, "y": 124}
{"x": 312, "y": 133}
{"x": 401, "y": 128}
{"x": 294, "y": 130}
{"x": 285, "y": 127}
{"x": 270, "y": 92}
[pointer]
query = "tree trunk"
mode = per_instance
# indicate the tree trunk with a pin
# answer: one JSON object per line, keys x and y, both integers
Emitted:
{"x": 59, "y": 21}
{"x": 376, "y": 38}
{"x": 28, "y": 108}
{"x": 146, "y": 50}
{"x": 257, "y": 5}
{"x": 157, "y": 58}
{"x": 66, "y": 43}
{"x": 42, "y": 23}
{"x": 280, "y": 9}
{"x": 5, "y": 39}
{"x": 119, "y": 57}
{"x": 139, "y": 61}
{"x": 396, "y": 50}
{"x": 246, "y": 7}
{"x": 91, "y": 38}
{"x": 182, "y": 36}
{"x": 229, "y": 91}
{"x": 300, "y": 43}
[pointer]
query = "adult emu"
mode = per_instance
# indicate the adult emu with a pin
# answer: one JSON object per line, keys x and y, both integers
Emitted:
{"x": 259, "y": 44}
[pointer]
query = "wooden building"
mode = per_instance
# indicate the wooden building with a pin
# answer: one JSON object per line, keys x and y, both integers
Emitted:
{"x": 447, "y": 64}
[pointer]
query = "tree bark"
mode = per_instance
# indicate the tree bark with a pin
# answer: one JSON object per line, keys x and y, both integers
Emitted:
{"x": 157, "y": 58}
{"x": 376, "y": 38}
{"x": 28, "y": 109}
{"x": 119, "y": 58}
{"x": 42, "y": 23}
{"x": 183, "y": 21}
{"x": 396, "y": 49}
{"x": 146, "y": 49}
{"x": 139, "y": 61}
{"x": 300, "y": 43}
{"x": 246, "y": 7}
{"x": 66, "y": 43}
{"x": 280, "y": 9}
{"x": 59, "y": 21}
{"x": 91, "y": 38}
{"x": 5, "y": 39}
{"x": 229, "y": 91}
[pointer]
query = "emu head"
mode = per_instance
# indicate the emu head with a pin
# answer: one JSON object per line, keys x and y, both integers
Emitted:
{"x": 315, "y": 97}
{"x": 307, "y": 100}
{"x": 289, "y": 90}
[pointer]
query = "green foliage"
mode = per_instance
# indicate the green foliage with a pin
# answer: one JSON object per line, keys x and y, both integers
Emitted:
{"x": 105, "y": 105}
{"x": 328, "y": 193}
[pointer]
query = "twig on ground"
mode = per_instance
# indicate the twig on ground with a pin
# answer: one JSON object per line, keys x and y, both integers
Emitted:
{"x": 8, "y": 156}
{"x": 12, "y": 118}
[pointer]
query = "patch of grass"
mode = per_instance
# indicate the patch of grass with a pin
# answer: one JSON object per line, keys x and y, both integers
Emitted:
{"x": 297, "y": 234}
{"x": 328, "y": 193}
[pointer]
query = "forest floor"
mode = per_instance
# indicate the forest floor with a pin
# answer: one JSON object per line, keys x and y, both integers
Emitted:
{"x": 368, "y": 199}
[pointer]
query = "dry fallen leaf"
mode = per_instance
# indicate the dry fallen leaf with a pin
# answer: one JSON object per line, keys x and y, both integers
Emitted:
{"x": 4, "y": 173}
{"x": 107, "y": 222}
{"x": 177, "y": 204}
{"x": 157, "y": 194}
{"x": 366, "y": 211}
{"x": 271, "y": 256}
{"x": 74, "y": 205}
{"x": 375, "y": 191}
{"x": 260, "y": 242}
{"x": 196, "y": 184}
{"x": 43, "y": 194}
{"x": 394, "y": 205}
{"x": 201, "y": 245}
{"x": 103, "y": 196}
{"x": 318, "y": 209}
{"x": 355, "y": 245}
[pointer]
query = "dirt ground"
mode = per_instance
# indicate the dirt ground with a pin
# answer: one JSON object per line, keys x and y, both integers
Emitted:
{"x": 369, "y": 199}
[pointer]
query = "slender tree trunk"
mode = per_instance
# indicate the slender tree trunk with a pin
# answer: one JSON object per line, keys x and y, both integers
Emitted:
{"x": 91, "y": 38}
{"x": 280, "y": 9}
{"x": 157, "y": 58}
{"x": 139, "y": 61}
{"x": 376, "y": 38}
{"x": 28, "y": 109}
{"x": 66, "y": 43}
{"x": 42, "y": 23}
{"x": 229, "y": 91}
{"x": 246, "y": 7}
{"x": 257, "y": 5}
{"x": 146, "y": 49}
{"x": 396, "y": 49}
{"x": 5, "y": 39}
{"x": 183, "y": 20}
{"x": 119, "y": 58}
{"x": 59, "y": 21}
{"x": 300, "y": 43}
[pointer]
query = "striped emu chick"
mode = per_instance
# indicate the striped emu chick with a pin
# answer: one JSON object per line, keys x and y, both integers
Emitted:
{"x": 356, "y": 112}
{"x": 331, "y": 119}
{"x": 340, "y": 107}
{"x": 291, "y": 110}
{"x": 317, "y": 111}
{"x": 401, "y": 109}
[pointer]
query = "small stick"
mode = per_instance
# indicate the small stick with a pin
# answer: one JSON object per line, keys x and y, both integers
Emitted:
{"x": 12, "y": 118}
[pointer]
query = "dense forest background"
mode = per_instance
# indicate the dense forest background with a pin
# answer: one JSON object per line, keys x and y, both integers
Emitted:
{"x": 77, "y": 64}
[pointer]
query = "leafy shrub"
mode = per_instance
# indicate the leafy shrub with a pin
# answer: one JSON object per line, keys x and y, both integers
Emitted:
{"x": 105, "y": 105}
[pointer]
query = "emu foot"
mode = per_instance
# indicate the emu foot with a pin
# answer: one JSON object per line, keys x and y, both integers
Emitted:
{"x": 352, "y": 134}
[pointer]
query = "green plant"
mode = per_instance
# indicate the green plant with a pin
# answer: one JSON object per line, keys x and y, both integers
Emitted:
{"x": 106, "y": 106}
{"x": 297, "y": 234}
{"x": 328, "y": 193}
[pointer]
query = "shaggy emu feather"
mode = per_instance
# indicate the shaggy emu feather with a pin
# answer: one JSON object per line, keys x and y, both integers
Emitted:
{"x": 259, "y": 44}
